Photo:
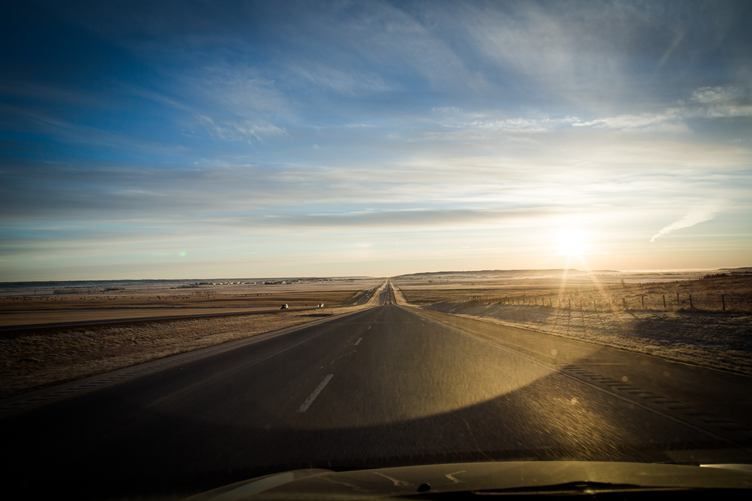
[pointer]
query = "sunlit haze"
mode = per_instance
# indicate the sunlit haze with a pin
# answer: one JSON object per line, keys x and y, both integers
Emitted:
{"x": 172, "y": 140}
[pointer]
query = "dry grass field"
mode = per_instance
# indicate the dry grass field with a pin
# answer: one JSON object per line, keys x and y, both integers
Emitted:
{"x": 72, "y": 304}
{"x": 706, "y": 318}
{"x": 597, "y": 291}
{"x": 35, "y": 357}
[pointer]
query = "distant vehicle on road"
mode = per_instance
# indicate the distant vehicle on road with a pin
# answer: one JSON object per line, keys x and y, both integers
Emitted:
{"x": 321, "y": 305}
{"x": 284, "y": 306}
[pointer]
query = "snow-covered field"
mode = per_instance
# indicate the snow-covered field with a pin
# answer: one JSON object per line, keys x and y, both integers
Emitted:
{"x": 717, "y": 340}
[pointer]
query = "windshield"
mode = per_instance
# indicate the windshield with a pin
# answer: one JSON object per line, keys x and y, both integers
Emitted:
{"x": 240, "y": 238}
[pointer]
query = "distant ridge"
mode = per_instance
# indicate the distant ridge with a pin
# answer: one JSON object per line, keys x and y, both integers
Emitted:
{"x": 531, "y": 270}
{"x": 744, "y": 269}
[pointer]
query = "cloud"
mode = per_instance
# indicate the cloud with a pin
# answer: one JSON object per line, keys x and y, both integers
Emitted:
{"x": 233, "y": 102}
{"x": 240, "y": 130}
{"x": 457, "y": 119}
{"x": 345, "y": 81}
{"x": 722, "y": 102}
{"x": 403, "y": 218}
{"x": 703, "y": 103}
{"x": 678, "y": 38}
{"x": 241, "y": 90}
{"x": 717, "y": 95}
{"x": 215, "y": 121}
{"x": 382, "y": 43}
{"x": 667, "y": 120}
{"x": 691, "y": 218}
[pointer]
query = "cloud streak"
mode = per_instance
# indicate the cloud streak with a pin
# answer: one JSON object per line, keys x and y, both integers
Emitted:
{"x": 692, "y": 218}
{"x": 415, "y": 218}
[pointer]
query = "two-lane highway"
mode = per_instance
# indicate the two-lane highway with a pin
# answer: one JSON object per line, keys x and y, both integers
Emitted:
{"x": 385, "y": 386}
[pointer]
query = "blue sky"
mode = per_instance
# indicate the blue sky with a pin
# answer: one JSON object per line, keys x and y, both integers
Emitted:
{"x": 197, "y": 139}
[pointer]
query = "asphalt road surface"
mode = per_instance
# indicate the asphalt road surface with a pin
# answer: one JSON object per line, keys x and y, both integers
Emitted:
{"x": 391, "y": 385}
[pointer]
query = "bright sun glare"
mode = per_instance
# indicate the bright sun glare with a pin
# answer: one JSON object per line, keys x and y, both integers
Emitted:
{"x": 572, "y": 242}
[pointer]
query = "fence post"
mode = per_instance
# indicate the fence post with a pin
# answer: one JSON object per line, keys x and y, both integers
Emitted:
{"x": 723, "y": 301}
{"x": 570, "y": 303}
{"x": 642, "y": 300}
{"x": 624, "y": 303}
{"x": 678, "y": 302}
{"x": 691, "y": 306}
{"x": 664, "y": 302}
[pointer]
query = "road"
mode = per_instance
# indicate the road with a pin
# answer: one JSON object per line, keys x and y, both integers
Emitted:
{"x": 389, "y": 385}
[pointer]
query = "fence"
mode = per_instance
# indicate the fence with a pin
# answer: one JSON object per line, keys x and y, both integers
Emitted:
{"x": 678, "y": 301}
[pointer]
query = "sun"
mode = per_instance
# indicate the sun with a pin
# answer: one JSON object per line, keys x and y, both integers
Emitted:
{"x": 572, "y": 242}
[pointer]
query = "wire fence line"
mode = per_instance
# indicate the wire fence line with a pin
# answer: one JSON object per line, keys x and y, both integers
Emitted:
{"x": 678, "y": 301}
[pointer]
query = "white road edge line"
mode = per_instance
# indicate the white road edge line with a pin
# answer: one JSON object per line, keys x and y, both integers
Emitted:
{"x": 308, "y": 401}
{"x": 358, "y": 341}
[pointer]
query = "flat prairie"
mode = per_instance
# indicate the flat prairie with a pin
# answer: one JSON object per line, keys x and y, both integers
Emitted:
{"x": 42, "y": 339}
{"x": 697, "y": 317}
{"x": 75, "y": 304}
{"x": 722, "y": 290}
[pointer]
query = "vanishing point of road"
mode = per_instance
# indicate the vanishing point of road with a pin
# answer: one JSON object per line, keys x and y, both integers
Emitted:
{"x": 388, "y": 385}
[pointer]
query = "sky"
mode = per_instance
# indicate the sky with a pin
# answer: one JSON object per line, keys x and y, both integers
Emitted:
{"x": 258, "y": 139}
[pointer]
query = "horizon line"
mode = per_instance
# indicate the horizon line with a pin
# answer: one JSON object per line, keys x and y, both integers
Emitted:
{"x": 311, "y": 277}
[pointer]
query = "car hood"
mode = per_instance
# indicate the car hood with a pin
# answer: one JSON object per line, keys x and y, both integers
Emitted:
{"x": 457, "y": 477}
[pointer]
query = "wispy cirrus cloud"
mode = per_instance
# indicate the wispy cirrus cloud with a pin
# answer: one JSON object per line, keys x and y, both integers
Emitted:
{"x": 692, "y": 218}
{"x": 346, "y": 82}
{"x": 704, "y": 103}
{"x": 239, "y": 130}
{"x": 409, "y": 218}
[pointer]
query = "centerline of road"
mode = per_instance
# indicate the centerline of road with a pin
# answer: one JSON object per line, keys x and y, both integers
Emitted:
{"x": 315, "y": 393}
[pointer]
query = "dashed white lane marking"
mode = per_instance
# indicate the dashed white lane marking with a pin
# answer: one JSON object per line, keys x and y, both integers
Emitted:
{"x": 308, "y": 401}
{"x": 358, "y": 341}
